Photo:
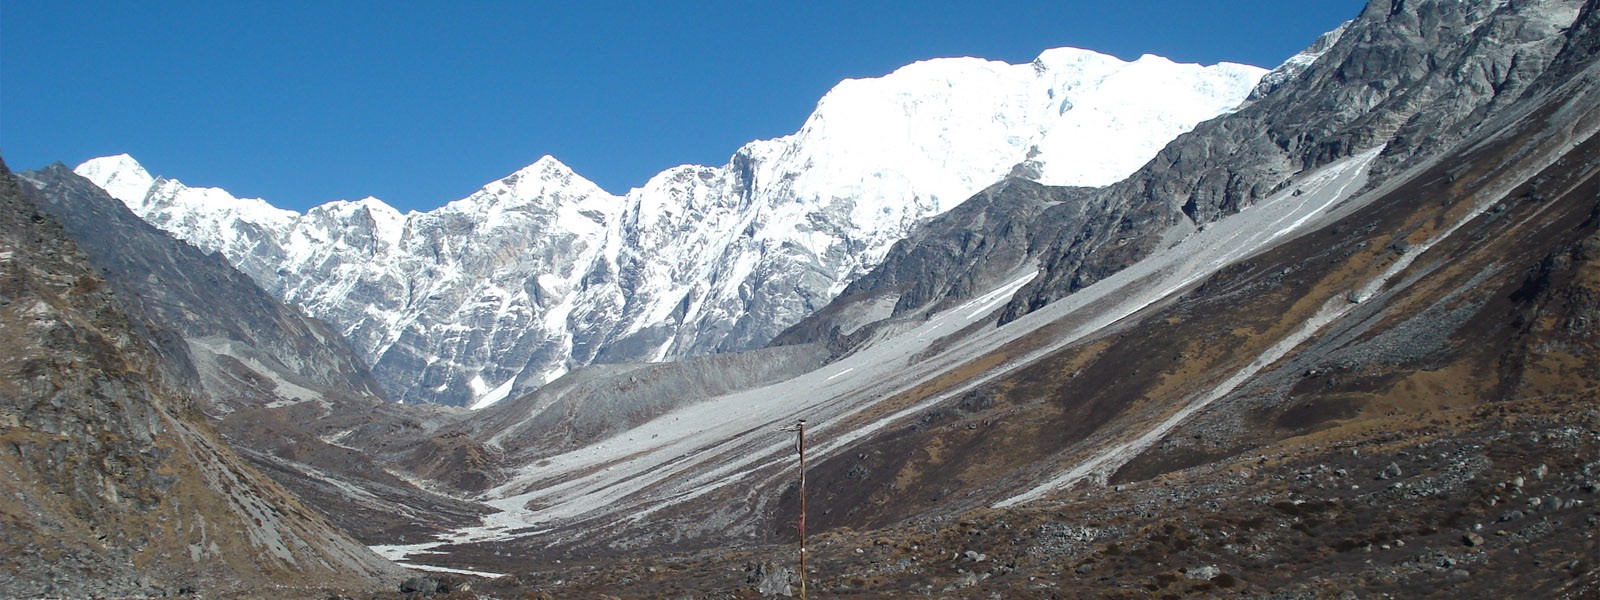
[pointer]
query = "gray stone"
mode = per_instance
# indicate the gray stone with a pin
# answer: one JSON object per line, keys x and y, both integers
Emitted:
{"x": 1390, "y": 472}
{"x": 771, "y": 579}
{"x": 419, "y": 585}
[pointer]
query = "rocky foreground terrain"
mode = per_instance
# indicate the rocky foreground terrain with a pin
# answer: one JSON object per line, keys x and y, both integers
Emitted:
{"x": 1493, "y": 501}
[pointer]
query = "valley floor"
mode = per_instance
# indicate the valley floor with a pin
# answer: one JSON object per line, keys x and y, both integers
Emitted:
{"x": 1476, "y": 500}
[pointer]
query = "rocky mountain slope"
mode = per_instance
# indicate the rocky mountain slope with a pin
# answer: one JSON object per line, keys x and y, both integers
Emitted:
{"x": 1410, "y": 85}
{"x": 250, "y": 348}
{"x": 1379, "y": 354}
{"x": 1476, "y": 59}
{"x": 542, "y": 271}
{"x": 273, "y": 380}
{"x": 115, "y": 483}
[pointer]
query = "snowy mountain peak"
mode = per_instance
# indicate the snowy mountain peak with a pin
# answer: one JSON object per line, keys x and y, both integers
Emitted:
{"x": 547, "y": 169}
{"x": 551, "y": 164}
{"x": 542, "y": 271}
{"x": 379, "y": 209}
{"x": 1067, "y": 55}
{"x": 385, "y": 222}
{"x": 546, "y": 183}
{"x": 120, "y": 176}
{"x": 368, "y": 204}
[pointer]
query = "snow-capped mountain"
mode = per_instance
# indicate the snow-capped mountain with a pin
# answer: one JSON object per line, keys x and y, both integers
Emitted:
{"x": 543, "y": 271}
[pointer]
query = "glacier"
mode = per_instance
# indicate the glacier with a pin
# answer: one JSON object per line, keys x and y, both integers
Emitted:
{"x": 541, "y": 272}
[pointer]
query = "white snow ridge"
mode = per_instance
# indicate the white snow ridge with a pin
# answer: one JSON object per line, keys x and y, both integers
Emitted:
{"x": 493, "y": 295}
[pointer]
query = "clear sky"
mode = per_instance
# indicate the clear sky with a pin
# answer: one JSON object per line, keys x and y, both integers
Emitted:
{"x": 420, "y": 103}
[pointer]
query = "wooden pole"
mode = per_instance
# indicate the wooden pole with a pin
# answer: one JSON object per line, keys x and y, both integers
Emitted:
{"x": 801, "y": 428}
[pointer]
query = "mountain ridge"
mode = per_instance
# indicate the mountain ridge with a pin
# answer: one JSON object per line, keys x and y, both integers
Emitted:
{"x": 272, "y": 380}
{"x": 699, "y": 259}
{"x": 1413, "y": 106}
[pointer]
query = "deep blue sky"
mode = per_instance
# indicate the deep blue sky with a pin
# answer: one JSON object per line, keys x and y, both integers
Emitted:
{"x": 420, "y": 103}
